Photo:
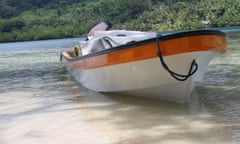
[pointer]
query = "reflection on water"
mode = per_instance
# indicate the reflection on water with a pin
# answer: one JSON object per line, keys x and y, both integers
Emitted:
{"x": 40, "y": 103}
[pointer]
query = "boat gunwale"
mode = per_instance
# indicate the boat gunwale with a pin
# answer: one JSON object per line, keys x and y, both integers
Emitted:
{"x": 158, "y": 37}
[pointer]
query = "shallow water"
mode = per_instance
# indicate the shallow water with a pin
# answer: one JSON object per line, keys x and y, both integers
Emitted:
{"x": 40, "y": 103}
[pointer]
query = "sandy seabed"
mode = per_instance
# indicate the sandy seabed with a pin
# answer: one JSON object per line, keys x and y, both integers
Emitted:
{"x": 84, "y": 117}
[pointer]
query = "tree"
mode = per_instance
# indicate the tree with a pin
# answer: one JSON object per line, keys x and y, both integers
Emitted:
{"x": 7, "y": 11}
{"x": 7, "y": 26}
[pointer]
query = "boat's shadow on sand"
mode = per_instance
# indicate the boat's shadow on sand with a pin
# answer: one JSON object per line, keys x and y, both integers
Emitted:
{"x": 139, "y": 120}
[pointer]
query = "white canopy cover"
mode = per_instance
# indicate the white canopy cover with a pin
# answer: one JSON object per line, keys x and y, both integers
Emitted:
{"x": 113, "y": 38}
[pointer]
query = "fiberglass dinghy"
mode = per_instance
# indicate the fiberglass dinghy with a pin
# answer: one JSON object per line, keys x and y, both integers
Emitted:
{"x": 145, "y": 64}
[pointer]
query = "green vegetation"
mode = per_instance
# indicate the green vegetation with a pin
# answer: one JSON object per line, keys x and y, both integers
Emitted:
{"x": 48, "y": 19}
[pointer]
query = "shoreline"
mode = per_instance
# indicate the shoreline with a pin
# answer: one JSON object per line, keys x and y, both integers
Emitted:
{"x": 224, "y": 29}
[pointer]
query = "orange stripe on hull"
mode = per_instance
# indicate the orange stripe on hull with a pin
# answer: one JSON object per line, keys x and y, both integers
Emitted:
{"x": 149, "y": 50}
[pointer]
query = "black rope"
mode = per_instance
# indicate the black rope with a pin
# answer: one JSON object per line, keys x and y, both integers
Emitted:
{"x": 61, "y": 56}
{"x": 192, "y": 70}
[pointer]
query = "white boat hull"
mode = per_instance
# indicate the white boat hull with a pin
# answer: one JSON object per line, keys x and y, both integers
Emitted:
{"x": 147, "y": 78}
{"x": 148, "y": 68}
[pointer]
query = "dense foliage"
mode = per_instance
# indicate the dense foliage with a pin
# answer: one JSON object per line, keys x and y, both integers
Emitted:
{"x": 46, "y": 19}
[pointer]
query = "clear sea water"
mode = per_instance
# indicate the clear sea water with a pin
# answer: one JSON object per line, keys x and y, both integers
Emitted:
{"x": 40, "y": 103}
